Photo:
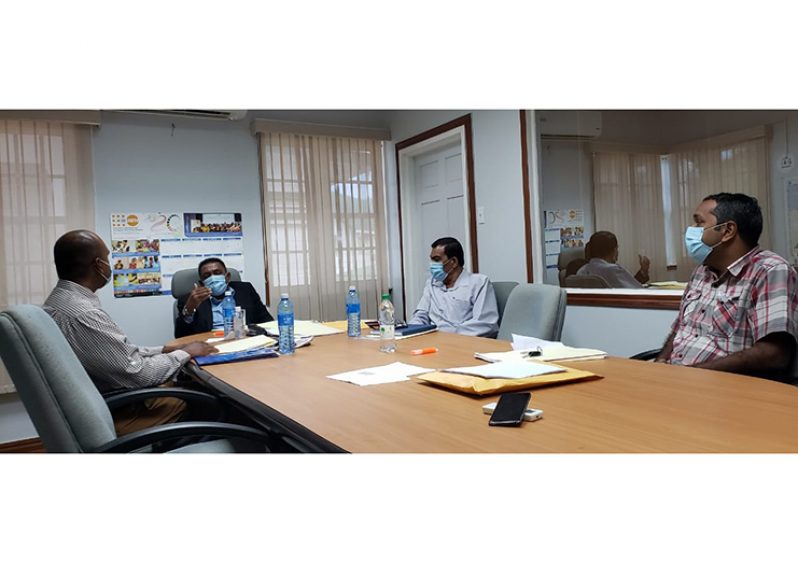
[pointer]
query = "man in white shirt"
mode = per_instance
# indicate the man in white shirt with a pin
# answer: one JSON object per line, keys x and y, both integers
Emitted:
{"x": 110, "y": 359}
{"x": 603, "y": 256}
{"x": 454, "y": 299}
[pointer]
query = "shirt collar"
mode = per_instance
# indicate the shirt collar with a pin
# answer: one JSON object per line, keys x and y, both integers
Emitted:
{"x": 217, "y": 301}
{"x": 73, "y": 287}
{"x": 735, "y": 268}
{"x": 457, "y": 283}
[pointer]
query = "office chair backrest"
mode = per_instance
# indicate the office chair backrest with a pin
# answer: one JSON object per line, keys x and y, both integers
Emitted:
{"x": 534, "y": 309}
{"x": 62, "y": 401}
{"x": 183, "y": 281}
{"x": 502, "y": 291}
{"x": 568, "y": 255}
{"x": 586, "y": 281}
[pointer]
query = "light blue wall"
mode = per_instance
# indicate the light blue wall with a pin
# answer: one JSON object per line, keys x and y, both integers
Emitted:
{"x": 142, "y": 164}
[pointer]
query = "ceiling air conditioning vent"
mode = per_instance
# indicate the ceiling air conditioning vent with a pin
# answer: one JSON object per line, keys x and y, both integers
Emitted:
{"x": 569, "y": 125}
{"x": 218, "y": 114}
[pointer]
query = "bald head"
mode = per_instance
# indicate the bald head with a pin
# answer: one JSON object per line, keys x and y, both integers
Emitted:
{"x": 75, "y": 253}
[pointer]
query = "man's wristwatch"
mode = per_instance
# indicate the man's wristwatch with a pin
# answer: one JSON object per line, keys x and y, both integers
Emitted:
{"x": 186, "y": 312}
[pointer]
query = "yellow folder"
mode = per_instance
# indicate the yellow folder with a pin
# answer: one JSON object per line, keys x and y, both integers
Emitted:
{"x": 481, "y": 386}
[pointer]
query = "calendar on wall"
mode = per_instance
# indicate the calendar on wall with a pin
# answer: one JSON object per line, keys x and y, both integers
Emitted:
{"x": 147, "y": 248}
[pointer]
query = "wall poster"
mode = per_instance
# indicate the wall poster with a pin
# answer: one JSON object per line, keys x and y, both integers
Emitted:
{"x": 147, "y": 248}
{"x": 564, "y": 228}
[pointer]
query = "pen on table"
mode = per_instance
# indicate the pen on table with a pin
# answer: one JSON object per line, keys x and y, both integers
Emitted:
{"x": 420, "y": 351}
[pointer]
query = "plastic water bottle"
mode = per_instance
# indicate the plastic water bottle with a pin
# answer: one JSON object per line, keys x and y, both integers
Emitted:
{"x": 387, "y": 322}
{"x": 239, "y": 322}
{"x": 229, "y": 312}
{"x": 285, "y": 322}
{"x": 352, "y": 312}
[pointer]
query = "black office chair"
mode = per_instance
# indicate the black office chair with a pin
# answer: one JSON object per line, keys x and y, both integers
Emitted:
{"x": 647, "y": 356}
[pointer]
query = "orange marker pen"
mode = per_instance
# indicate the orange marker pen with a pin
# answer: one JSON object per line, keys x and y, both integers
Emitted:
{"x": 421, "y": 351}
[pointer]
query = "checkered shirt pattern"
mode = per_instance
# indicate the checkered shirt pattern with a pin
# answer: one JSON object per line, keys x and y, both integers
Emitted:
{"x": 718, "y": 316}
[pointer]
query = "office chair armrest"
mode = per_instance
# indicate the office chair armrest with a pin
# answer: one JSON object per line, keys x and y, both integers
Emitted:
{"x": 190, "y": 396}
{"x": 149, "y": 436}
{"x": 646, "y": 356}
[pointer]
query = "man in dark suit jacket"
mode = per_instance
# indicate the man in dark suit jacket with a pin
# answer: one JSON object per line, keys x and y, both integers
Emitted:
{"x": 201, "y": 311}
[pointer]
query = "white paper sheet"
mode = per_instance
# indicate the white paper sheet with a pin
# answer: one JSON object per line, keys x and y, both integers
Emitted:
{"x": 507, "y": 370}
{"x": 244, "y": 344}
{"x": 390, "y": 373}
{"x": 531, "y": 343}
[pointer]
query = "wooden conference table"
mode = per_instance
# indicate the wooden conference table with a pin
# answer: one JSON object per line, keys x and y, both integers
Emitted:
{"x": 637, "y": 406}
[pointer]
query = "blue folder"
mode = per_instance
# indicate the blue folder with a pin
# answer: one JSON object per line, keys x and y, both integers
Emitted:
{"x": 229, "y": 357}
{"x": 410, "y": 330}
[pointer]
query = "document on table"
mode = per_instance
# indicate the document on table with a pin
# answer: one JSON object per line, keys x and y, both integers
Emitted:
{"x": 390, "y": 373}
{"x": 507, "y": 370}
{"x": 303, "y": 328}
{"x": 242, "y": 344}
{"x": 543, "y": 350}
{"x": 531, "y": 343}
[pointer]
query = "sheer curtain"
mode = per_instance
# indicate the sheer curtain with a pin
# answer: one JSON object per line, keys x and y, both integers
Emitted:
{"x": 731, "y": 163}
{"x": 324, "y": 222}
{"x": 627, "y": 192}
{"x": 46, "y": 189}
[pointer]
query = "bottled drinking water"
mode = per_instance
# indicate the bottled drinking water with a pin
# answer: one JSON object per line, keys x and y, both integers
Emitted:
{"x": 239, "y": 322}
{"x": 285, "y": 323}
{"x": 352, "y": 312}
{"x": 387, "y": 322}
{"x": 229, "y": 313}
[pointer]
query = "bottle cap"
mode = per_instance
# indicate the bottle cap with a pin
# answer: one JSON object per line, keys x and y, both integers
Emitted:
{"x": 283, "y": 296}
{"x": 352, "y": 288}
{"x": 228, "y": 292}
{"x": 386, "y": 296}
{"x": 238, "y": 308}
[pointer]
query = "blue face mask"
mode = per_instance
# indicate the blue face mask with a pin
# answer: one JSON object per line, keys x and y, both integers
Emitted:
{"x": 696, "y": 247}
{"x": 436, "y": 271}
{"x": 217, "y": 285}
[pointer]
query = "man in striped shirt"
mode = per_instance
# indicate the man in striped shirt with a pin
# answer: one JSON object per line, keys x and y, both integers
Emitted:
{"x": 739, "y": 309}
{"x": 112, "y": 362}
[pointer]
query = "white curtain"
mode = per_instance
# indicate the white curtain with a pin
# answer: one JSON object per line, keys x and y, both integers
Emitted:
{"x": 46, "y": 189}
{"x": 712, "y": 166}
{"x": 324, "y": 222}
{"x": 627, "y": 194}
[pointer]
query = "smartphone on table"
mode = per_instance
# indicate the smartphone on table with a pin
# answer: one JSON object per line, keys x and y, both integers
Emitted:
{"x": 510, "y": 409}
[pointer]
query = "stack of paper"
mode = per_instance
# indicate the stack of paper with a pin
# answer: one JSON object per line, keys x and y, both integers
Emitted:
{"x": 303, "y": 328}
{"x": 507, "y": 370}
{"x": 396, "y": 371}
{"x": 548, "y": 354}
{"x": 242, "y": 344}
{"x": 541, "y": 351}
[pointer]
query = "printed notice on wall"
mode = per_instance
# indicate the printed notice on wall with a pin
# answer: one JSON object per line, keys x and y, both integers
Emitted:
{"x": 564, "y": 228}
{"x": 147, "y": 248}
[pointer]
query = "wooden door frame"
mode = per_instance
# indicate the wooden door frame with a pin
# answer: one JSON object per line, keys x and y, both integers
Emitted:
{"x": 468, "y": 148}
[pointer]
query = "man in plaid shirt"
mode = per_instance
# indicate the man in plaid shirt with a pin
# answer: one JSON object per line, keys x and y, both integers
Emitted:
{"x": 739, "y": 309}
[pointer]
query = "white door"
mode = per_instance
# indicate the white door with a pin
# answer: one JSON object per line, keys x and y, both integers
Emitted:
{"x": 440, "y": 209}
